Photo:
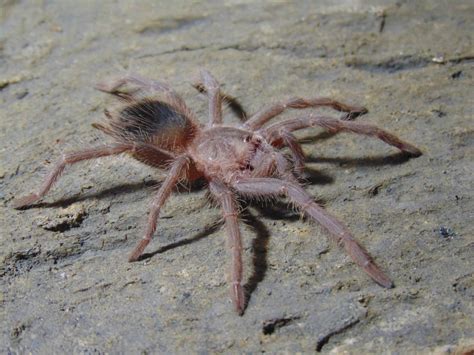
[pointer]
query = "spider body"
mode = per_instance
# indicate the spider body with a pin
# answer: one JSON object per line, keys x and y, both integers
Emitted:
{"x": 153, "y": 125}
{"x": 225, "y": 152}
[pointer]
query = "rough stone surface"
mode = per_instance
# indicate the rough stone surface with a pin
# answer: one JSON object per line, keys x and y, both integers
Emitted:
{"x": 66, "y": 285}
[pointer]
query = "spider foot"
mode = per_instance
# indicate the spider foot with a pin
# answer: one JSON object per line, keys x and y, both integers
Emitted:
{"x": 411, "y": 149}
{"x": 138, "y": 251}
{"x": 238, "y": 298}
{"x": 25, "y": 201}
{"x": 378, "y": 276}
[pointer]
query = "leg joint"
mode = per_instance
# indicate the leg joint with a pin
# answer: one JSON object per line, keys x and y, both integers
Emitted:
{"x": 229, "y": 214}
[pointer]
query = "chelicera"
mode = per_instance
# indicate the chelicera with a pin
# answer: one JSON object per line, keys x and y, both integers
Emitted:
{"x": 153, "y": 125}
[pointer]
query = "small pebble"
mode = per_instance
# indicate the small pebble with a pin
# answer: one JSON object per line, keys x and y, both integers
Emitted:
{"x": 446, "y": 232}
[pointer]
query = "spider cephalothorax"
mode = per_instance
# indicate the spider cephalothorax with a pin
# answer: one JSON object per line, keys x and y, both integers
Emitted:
{"x": 154, "y": 125}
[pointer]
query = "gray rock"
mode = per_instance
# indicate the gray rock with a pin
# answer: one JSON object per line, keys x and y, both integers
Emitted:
{"x": 66, "y": 285}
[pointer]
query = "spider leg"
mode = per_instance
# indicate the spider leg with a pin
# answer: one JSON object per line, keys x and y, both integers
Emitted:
{"x": 175, "y": 173}
{"x": 66, "y": 159}
{"x": 150, "y": 87}
{"x": 298, "y": 196}
{"x": 212, "y": 88}
{"x": 335, "y": 125}
{"x": 277, "y": 164}
{"x": 113, "y": 87}
{"x": 229, "y": 100}
{"x": 286, "y": 138}
{"x": 229, "y": 207}
{"x": 152, "y": 155}
{"x": 257, "y": 120}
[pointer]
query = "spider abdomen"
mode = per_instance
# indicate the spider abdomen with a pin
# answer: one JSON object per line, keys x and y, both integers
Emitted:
{"x": 149, "y": 121}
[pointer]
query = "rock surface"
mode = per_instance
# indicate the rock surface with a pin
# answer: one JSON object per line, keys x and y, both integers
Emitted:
{"x": 66, "y": 285}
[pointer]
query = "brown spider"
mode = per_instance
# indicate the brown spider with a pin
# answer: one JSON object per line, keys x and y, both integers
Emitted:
{"x": 154, "y": 125}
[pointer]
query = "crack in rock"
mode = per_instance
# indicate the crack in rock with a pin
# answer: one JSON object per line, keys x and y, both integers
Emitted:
{"x": 269, "y": 326}
{"x": 324, "y": 339}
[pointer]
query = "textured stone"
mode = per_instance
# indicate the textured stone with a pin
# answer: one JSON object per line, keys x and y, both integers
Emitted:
{"x": 72, "y": 290}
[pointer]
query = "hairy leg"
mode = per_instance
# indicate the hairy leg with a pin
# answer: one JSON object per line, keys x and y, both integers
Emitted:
{"x": 231, "y": 101}
{"x": 298, "y": 196}
{"x": 175, "y": 173}
{"x": 286, "y": 138}
{"x": 334, "y": 125}
{"x": 71, "y": 158}
{"x": 267, "y": 161}
{"x": 227, "y": 200}
{"x": 142, "y": 87}
{"x": 214, "y": 94}
{"x": 113, "y": 87}
{"x": 257, "y": 120}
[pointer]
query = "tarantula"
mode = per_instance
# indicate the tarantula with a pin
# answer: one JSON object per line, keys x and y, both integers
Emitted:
{"x": 154, "y": 125}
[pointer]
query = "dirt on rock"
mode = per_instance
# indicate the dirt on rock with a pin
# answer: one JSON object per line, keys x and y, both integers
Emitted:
{"x": 66, "y": 285}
